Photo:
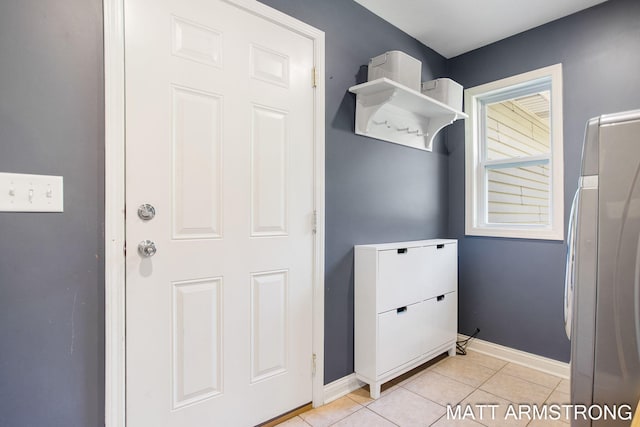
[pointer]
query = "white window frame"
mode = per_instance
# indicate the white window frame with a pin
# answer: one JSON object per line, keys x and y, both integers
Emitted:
{"x": 475, "y": 207}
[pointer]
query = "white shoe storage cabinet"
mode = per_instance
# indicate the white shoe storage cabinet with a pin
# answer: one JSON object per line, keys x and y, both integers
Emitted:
{"x": 406, "y": 307}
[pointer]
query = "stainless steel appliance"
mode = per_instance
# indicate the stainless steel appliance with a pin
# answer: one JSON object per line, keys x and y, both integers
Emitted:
{"x": 602, "y": 286}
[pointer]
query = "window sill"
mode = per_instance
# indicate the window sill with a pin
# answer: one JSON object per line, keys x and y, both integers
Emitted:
{"x": 513, "y": 233}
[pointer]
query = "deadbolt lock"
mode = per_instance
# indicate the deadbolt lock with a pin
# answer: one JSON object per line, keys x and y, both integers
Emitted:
{"x": 146, "y": 212}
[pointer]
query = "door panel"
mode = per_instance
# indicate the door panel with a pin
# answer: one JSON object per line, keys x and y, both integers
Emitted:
{"x": 268, "y": 172}
{"x": 269, "y": 326}
{"x": 197, "y": 358}
{"x": 196, "y": 145}
{"x": 219, "y": 139}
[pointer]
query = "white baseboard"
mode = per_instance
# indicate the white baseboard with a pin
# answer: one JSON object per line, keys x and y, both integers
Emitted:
{"x": 544, "y": 364}
{"x": 341, "y": 387}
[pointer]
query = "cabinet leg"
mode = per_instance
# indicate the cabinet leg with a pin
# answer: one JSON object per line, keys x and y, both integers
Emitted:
{"x": 452, "y": 351}
{"x": 375, "y": 390}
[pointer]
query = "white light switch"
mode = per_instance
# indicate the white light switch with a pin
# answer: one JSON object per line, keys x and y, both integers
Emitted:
{"x": 31, "y": 193}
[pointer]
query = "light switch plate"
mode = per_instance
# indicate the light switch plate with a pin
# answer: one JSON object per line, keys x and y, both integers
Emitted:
{"x": 31, "y": 193}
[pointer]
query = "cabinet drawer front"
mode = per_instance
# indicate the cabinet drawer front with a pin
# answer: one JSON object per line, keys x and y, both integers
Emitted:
{"x": 442, "y": 319}
{"x": 441, "y": 263}
{"x": 400, "y": 336}
{"x": 401, "y": 277}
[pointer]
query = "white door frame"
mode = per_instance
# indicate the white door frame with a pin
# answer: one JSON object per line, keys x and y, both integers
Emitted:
{"x": 114, "y": 79}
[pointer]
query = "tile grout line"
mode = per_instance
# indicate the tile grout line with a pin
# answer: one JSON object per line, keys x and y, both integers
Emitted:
{"x": 514, "y": 403}
{"x": 451, "y": 377}
{"x": 498, "y": 397}
{"x": 523, "y": 379}
{"x": 339, "y": 419}
{"x": 357, "y": 403}
{"x": 457, "y": 403}
{"x": 484, "y": 391}
{"x": 416, "y": 394}
{"x": 558, "y": 386}
{"x": 429, "y": 400}
{"x": 481, "y": 364}
{"x": 493, "y": 375}
{"x": 413, "y": 392}
{"x": 383, "y": 417}
{"x": 533, "y": 382}
{"x": 530, "y": 382}
{"x": 370, "y": 410}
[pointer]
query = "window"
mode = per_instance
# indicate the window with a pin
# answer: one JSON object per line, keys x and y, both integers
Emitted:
{"x": 514, "y": 175}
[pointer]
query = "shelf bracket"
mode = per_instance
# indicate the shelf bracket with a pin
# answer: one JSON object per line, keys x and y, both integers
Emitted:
{"x": 436, "y": 124}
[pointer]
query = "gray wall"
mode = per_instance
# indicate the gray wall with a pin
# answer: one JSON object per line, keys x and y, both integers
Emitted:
{"x": 51, "y": 122}
{"x": 513, "y": 289}
{"x": 375, "y": 191}
{"x": 51, "y": 264}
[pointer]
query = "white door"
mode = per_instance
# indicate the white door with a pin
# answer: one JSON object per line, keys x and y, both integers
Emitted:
{"x": 219, "y": 137}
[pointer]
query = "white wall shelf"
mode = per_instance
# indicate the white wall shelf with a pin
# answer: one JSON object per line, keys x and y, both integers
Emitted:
{"x": 392, "y": 112}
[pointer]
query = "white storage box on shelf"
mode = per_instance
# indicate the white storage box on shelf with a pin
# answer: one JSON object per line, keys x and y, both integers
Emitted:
{"x": 397, "y": 66}
{"x": 446, "y": 91}
{"x": 405, "y": 307}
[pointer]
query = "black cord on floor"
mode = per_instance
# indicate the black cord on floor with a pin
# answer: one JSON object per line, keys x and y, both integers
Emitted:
{"x": 461, "y": 346}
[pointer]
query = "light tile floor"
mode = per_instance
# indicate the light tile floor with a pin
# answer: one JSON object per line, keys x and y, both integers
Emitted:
{"x": 421, "y": 398}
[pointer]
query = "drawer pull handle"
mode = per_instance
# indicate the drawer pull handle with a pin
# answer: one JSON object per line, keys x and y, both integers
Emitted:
{"x": 440, "y": 246}
{"x": 402, "y": 251}
{"x": 401, "y": 310}
{"x": 440, "y": 298}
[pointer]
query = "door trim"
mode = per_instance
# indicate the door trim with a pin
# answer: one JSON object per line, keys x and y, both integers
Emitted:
{"x": 114, "y": 85}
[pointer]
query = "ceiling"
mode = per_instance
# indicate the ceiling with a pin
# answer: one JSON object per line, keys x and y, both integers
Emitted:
{"x": 453, "y": 27}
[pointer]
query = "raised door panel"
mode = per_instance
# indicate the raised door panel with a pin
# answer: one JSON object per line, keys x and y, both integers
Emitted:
{"x": 269, "y": 324}
{"x": 197, "y": 164}
{"x": 196, "y": 341}
{"x": 269, "y": 65}
{"x": 268, "y": 172}
{"x": 401, "y": 277}
{"x": 400, "y": 336}
{"x": 441, "y": 324}
{"x": 196, "y": 42}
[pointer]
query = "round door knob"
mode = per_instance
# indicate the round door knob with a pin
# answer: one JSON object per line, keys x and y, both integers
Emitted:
{"x": 147, "y": 248}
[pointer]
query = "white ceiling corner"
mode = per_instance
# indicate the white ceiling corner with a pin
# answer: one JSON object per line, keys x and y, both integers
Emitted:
{"x": 453, "y": 27}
